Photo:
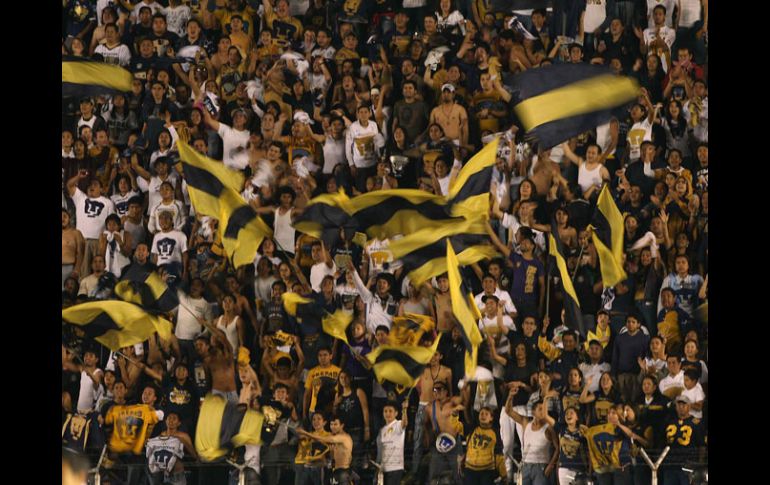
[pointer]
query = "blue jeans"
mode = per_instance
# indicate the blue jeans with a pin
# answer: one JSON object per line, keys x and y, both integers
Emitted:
{"x": 305, "y": 475}
{"x": 534, "y": 474}
{"x": 647, "y": 311}
{"x": 674, "y": 476}
{"x": 418, "y": 431}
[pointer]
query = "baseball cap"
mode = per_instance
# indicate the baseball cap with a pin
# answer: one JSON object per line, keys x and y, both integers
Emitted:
{"x": 683, "y": 398}
{"x": 485, "y": 298}
{"x": 448, "y": 86}
{"x": 86, "y": 99}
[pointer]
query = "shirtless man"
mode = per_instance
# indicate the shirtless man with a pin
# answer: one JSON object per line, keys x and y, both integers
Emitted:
{"x": 72, "y": 249}
{"x": 285, "y": 371}
{"x": 341, "y": 445}
{"x": 434, "y": 373}
{"x": 545, "y": 172}
{"x": 451, "y": 116}
{"x": 438, "y": 420}
{"x": 219, "y": 361}
{"x": 443, "y": 302}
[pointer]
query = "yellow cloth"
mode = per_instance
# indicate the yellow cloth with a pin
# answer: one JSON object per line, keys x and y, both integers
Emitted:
{"x": 132, "y": 426}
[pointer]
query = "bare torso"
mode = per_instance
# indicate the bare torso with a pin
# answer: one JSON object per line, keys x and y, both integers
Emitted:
{"x": 342, "y": 452}
{"x": 222, "y": 369}
{"x": 430, "y": 377}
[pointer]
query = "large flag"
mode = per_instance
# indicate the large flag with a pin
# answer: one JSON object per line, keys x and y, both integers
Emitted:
{"x": 116, "y": 324}
{"x": 563, "y": 100}
{"x": 462, "y": 305}
{"x": 214, "y": 191}
{"x": 146, "y": 288}
{"x": 571, "y": 303}
{"x": 401, "y": 364}
{"x": 384, "y": 214}
{"x": 426, "y": 262}
{"x": 607, "y": 225}
{"x": 89, "y": 78}
{"x": 223, "y": 426}
{"x": 409, "y": 329}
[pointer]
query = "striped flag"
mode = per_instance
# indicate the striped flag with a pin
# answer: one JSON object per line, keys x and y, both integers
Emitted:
{"x": 560, "y": 101}
{"x": 116, "y": 324}
{"x": 465, "y": 311}
{"x": 607, "y": 234}
{"x": 223, "y": 426}
{"x": 146, "y": 288}
{"x": 214, "y": 191}
{"x": 88, "y": 78}
{"x": 571, "y": 302}
{"x": 401, "y": 364}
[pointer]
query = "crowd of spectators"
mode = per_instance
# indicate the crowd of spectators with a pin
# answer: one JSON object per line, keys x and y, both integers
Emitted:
{"x": 307, "y": 97}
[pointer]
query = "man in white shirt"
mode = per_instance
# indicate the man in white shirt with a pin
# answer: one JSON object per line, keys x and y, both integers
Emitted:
{"x": 496, "y": 324}
{"x": 91, "y": 212}
{"x": 169, "y": 247}
{"x": 490, "y": 288}
{"x": 594, "y": 368}
{"x": 235, "y": 139}
{"x": 361, "y": 143}
{"x": 694, "y": 392}
{"x": 381, "y": 307}
{"x": 192, "y": 308}
{"x": 659, "y": 38}
{"x": 673, "y": 384}
{"x": 323, "y": 265}
{"x": 390, "y": 442}
{"x": 668, "y": 5}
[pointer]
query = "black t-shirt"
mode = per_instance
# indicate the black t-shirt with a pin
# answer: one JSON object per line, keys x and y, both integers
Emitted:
{"x": 523, "y": 374}
{"x": 684, "y": 436}
{"x": 180, "y": 399}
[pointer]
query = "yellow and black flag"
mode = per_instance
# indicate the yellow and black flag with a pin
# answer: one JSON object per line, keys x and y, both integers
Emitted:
{"x": 88, "y": 78}
{"x": 607, "y": 225}
{"x": 463, "y": 308}
{"x": 469, "y": 193}
{"x": 223, "y": 426}
{"x": 401, "y": 364}
{"x": 571, "y": 303}
{"x": 426, "y": 262}
{"x": 116, "y": 324}
{"x": 214, "y": 191}
{"x": 308, "y": 311}
{"x": 146, "y": 288}
{"x": 409, "y": 329}
{"x": 563, "y": 100}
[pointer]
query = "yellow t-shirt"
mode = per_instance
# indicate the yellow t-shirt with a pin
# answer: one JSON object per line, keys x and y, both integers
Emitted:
{"x": 310, "y": 450}
{"x": 316, "y": 378}
{"x": 132, "y": 426}
{"x": 483, "y": 445}
{"x": 286, "y": 30}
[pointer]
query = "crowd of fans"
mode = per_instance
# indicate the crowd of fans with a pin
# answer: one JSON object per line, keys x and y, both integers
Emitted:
{"x": 310, "y": 97}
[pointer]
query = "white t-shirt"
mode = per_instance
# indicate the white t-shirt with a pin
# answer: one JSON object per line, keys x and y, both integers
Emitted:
{"x": 391, "y": 442}
{"x": 169, "y": 246}
{"x": 317, "y": 273}
{"x": 88, "y": 394}
{"x": 667, "y": 34}
{"x": 234, "y": 142}
{"x": 334, "y": 154}
{"x": 671, "y": 381}
{"x": 187, "y": 326}
{"x": 177, "y": 210}
{"x": 640, "y": 132}
{"x": 489, "y": 325}
{"x": 502, "y": 295}
{"x": 595, "y": 371}
{"x": 121, "y": 202}
{"x": 154, "y": 6}
{"x": 669, "y": 4}
{"x": 118, "y": 55}
{"x": 163, "y": 452}
{"x": 690, "y": 13}
{"x": 596, "y": 12}
{"x": 176, "y": 18}
{"x": 91, "y": 213}
{"x": 695, "y": 394}
{"x": 153, "y": 188}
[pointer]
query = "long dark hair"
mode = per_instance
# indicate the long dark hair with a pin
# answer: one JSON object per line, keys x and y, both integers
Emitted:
{"x": 678, "y": 125}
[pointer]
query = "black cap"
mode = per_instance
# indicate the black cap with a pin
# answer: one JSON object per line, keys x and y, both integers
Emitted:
{"x": 86, "y": 99}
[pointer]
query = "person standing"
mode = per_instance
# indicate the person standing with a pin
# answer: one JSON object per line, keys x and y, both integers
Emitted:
{"x": 362, "y": 140}
{"x": 540, "y": 444}
{"x": 342, "y": 449}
